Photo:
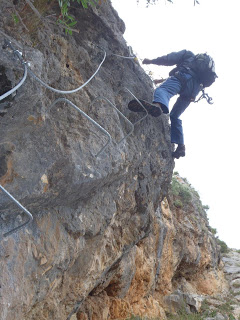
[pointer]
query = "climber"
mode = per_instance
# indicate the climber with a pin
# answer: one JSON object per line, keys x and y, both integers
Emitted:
{"x": 192, "y": 74}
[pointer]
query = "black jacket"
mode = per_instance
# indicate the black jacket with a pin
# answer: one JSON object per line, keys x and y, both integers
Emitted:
{"x": 190, "y": 83}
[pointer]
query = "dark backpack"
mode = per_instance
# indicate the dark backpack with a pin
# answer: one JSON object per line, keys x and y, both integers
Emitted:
{"x": 204, "y": 68}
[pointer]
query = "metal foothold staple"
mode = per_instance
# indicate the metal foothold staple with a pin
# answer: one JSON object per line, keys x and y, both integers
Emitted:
{"x": 119, "y": 112}
{"x": 126, "y": 89}
{"x": 89, "y": 118}
{"x": 17, "y": 53}
{"x": 21, "y": 207}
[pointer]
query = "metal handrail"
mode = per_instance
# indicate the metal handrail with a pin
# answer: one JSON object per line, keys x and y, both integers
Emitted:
{"x": 89, "y": 118}
{"x": 21, "y": 207}
{"x": 119, "y": 112}
{"x": 126, "y": 89}
{"x": 18, "y": 54}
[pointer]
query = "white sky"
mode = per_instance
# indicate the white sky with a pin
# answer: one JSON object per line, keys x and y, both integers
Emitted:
{"x": 211, "y": 131}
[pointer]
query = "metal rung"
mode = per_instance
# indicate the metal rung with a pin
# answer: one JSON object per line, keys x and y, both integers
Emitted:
{"x": 119, "y": 112}
{"x": 21, "y": 207}
{"x": 126, "y": 89}
{"x": 89, "y": 118}
{"x": 18, "y": 54}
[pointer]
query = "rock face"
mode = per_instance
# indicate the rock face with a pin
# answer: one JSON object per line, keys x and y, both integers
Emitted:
{"x": 227, "y": 304}
{"x": 176, "y": 266}
{"x": 231, "y": 262}
{"x": 101, "y": 244}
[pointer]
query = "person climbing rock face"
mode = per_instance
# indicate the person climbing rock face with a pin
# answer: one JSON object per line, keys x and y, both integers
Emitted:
{"x": 191, "y": 74}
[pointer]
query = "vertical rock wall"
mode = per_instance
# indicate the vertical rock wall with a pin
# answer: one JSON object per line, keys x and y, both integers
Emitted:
{"x": 89, "y": 213}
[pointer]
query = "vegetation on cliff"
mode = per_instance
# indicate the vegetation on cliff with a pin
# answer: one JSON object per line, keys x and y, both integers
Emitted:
{"x": 184, "y": 194}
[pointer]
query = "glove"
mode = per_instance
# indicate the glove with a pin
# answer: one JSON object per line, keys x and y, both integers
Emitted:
{"x": 147, "y": 61}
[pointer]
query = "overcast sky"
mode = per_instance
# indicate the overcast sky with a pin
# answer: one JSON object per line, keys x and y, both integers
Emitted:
{"x": 211, "y": 131}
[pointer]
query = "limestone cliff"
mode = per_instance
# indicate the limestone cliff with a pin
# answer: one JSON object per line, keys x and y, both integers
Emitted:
{"x": 177, "y": 266}
{"x": 105, "y": 242}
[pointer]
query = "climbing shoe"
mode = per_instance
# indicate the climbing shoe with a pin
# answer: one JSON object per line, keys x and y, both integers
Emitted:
{"x": 180, "y": 152}
{"x": 152, "y": 109}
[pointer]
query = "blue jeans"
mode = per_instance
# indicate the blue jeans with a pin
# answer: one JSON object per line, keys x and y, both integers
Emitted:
{"x": 162, "y": 95}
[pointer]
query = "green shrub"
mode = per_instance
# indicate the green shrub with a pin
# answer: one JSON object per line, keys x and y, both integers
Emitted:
{"x": 223, "y": 245}
{"x": 182, "y": 315}
{"x": 213, "y": 230}
{"x": 185, "y": 194}
{"x": 67, "y": 20}
{"x": 140, "y": 318}
{"x": 227, "y": 307}
{"x": 15, "y": 18}
{"x": 178, "y": 203}
{"x": 181, "y": 190}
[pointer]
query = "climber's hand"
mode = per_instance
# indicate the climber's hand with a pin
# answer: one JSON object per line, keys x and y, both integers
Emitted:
{"x": 157, "y": 81}
{"x": 147, "y": 61}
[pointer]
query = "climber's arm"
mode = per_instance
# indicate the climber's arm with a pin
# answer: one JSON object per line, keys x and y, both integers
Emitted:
{"x": 170, "y": 59}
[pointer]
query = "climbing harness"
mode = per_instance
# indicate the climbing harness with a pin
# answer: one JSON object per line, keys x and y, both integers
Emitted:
{"x": 27, "y": 70}
{"x": 30, "y": 217}
{"x": 89, "y": 118}
{"x": 204, "y": 96}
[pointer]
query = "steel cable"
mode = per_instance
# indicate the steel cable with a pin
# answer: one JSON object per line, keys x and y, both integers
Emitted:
{"x": 6, "y": 94}
{"x": 30, "y": 217}
{"x": 67, "y": 91}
